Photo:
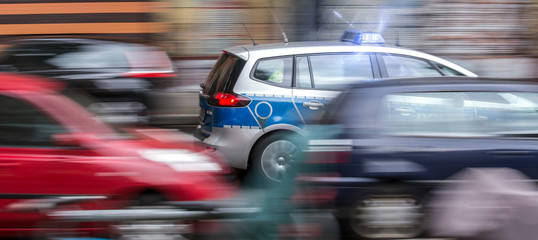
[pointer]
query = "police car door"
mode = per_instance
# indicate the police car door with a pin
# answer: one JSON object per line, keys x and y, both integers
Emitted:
{"x": 320, "y": 77}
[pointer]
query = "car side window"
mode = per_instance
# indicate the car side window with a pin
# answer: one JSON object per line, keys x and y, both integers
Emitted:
{"x": 23, "y": 125}
{"x": 302, "y": 74}
{"x": 277, "y": 71}
{"x": 36, "y": 56}
{"x": 400, "y": 67}
{"x": 335, "y": 71}
{"x": 449, "y": 71}
{"x": 460, "y": 114}
{"x": 92, "y": 56}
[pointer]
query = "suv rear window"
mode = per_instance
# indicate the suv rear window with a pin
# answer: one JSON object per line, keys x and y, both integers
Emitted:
{"x": 224, "y": 74}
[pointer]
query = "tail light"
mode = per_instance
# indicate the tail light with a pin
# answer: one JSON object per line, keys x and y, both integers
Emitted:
{"x": 222, "y": 99}
{"x": 149, "y": 74}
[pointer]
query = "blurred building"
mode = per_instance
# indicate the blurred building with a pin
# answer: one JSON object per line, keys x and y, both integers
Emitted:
{"x": 112, "y": 19}
{"x": 491, "y": 37}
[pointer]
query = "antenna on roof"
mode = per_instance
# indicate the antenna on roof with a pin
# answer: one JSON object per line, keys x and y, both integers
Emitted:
{"x": 279, "y": 25}
{"x": 251, "y": 38}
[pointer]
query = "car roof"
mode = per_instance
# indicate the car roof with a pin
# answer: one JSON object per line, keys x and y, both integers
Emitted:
{"x": 446, "y": 81}
{"x": 306, "y": 47}
{"x": 16, "y": 81}
{"x": 313, "y": 47}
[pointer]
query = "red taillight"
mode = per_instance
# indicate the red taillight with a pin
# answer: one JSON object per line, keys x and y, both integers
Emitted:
{"x": 149, "y": 74}
{"x": 229, "y": 100}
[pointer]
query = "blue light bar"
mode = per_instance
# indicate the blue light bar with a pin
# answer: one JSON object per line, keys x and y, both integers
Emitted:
{"x": 359, "y": 37}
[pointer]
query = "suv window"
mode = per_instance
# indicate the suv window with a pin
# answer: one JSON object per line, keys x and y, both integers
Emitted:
{"x": 63, "y": 55}
{"x": 463, "y": 114}
{"x": 334, "y": 71}
{"x": 93, "y": 56}
{"x": 276, "y": 71}
{"x": 223, "y": 75}
{"x": 23, "y": 124}
{"x": 400, "y": 66}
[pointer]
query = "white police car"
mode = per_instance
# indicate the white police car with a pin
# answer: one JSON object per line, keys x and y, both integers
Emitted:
{"x": 256, "y": 96}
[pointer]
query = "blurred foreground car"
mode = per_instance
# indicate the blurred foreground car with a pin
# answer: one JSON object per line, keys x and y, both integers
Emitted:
{"x": 257, "y": 96}
{"x": 118, "y": 75}
{"x": 52, "y": 147}
{"x": 385, "y": 145}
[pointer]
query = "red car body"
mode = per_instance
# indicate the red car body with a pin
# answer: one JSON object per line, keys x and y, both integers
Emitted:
{"x": 72, "y": 153}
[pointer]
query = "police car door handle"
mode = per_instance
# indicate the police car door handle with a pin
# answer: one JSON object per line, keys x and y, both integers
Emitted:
{"x": 314, "y": 105}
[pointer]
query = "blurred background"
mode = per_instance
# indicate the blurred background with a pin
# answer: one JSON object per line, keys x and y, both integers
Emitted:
{"x": 495, "y": 38}
{"x": 490, "y": 37}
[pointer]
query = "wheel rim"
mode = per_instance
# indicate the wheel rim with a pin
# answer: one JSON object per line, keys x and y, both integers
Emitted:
{"x": 277, "y": 158}
{"x": 387, "y": 217}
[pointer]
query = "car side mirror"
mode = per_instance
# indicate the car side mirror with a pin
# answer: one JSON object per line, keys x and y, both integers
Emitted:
{"x": 72, "y": 139}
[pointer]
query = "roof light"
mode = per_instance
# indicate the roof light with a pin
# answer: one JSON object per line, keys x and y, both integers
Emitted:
{"x": 359, "y": 37}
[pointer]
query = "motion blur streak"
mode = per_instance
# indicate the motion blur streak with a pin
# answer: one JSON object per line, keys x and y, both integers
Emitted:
{"x": 70, "y": 8}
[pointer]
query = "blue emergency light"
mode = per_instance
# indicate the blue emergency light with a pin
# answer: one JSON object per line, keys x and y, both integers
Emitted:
{"x": 359, "y": 37}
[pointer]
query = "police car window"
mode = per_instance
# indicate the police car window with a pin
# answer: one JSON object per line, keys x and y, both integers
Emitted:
{"x": 335, "y": 71}
{"x": 400, "y": 66}
{"x": 275, "y": 71}
{"x": 23, "y": 125}
{"x": 221, "y": 73}
{"x": 302, "y": 75}
{"x": 460, "y": 114}
{"x": 449, "y": 71}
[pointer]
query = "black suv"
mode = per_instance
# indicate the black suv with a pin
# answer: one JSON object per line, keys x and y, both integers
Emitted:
{"x": 117, "y": 75}
{"x": 385, "y": 145}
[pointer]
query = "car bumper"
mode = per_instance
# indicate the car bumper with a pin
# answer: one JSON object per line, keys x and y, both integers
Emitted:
{"x": 234, "y": 143}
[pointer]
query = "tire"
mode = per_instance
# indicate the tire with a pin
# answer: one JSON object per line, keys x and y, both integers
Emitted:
{"x": 151, "y": 229}
{"x": 272, "y": 159}
{"x": 386, "y": 214}
{"x": 148, "y": 199}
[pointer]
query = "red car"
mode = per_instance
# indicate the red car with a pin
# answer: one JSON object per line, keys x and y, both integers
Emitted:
{"x": 50, "y": 146}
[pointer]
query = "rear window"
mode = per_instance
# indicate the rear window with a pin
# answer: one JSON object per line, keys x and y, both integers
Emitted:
{"x": 224, "y": 74}
{"x": 460, "y": 114}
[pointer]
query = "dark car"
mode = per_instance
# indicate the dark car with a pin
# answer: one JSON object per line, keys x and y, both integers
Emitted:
{"x": 117, "y": 75}
{"x": 386, "y": 145}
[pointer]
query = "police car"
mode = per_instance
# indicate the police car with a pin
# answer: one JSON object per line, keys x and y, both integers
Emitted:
{"x": 257, "y": 96}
